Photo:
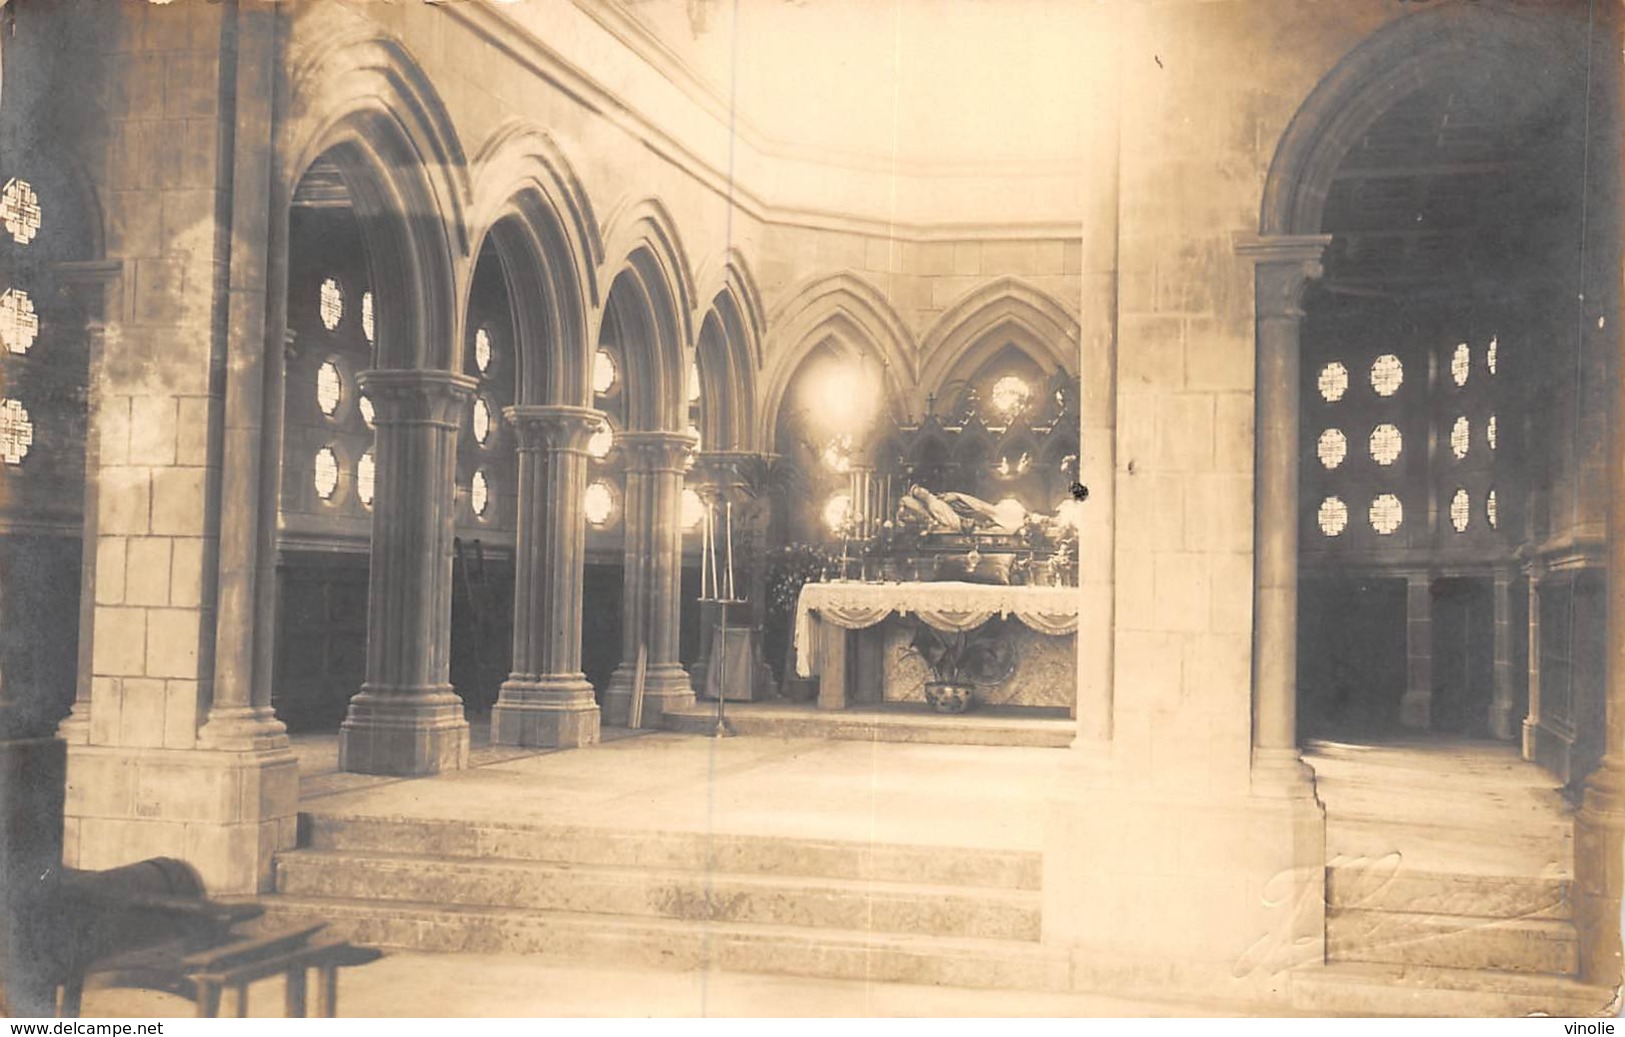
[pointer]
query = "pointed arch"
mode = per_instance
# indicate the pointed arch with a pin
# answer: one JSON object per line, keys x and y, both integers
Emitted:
{"x": 527, "y": 199}
{"x": 983, "y": 322}
{"x": 852, "y": 312}
{"x": 730, "y": 275}
{"x": 728, "y": 349}
{"x": 364, "y": 103}
{"x": 646, "y": 227}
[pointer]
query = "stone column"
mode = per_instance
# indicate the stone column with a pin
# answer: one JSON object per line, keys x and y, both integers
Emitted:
{"x": 547, "y": 701}
{"x": 651, "y": 606}
{"x": 1502, "y": 724}
{"x": 1416, "y": 705}
{"x": 1531, "y": 723}
{"x": 406, "y": 718}
{"x": 1284, "y": 268}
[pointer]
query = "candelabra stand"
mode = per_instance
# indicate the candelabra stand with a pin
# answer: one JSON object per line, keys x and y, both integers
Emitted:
{"x": 724, "y": 729}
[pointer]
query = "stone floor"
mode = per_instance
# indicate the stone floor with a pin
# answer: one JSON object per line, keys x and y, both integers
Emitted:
{"x": 963, "y": 796}
{"x": 405, "y": 985}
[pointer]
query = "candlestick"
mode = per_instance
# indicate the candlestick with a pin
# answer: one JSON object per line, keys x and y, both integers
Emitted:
{"x": 710, "y": 562}
{"x": 730, "y": 532}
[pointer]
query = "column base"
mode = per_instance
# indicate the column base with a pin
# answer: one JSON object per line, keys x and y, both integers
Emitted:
{"x": 549, "y": 712}
{"x": 665, "y": 687}
{"x": 225, "y": 813}
{"x": 404, "y": 732}
{"x": 1503, "y": 727}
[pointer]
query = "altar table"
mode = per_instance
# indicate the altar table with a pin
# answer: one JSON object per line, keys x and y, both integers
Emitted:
{"x": 825, "y": 612}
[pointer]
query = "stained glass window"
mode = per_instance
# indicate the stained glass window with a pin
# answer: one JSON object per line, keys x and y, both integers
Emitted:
{"x": 1489, "y": 431}
{"x": 601, "y": 441}
{"x": 329, "y": 387}
{"x": 837, "y": 509}
{"x": 1490, "y": 354}
{"x": 364, "y": 405}
{"x": 599, "y": 503}
{"x": 482, "y": 350}
{"x": 1461, "y": 437}
{"x": 1387, "y": 374}
{"x": 1490, "y": 511}
{"x": 366, "y": 316}
{"x": 1011, "y": 395}
{"x": 19, "y": 324}
{"x": 479, "y": 493}
{"x": 1386, "y": 444}
{"x": 331, "y": 304}
{"x": 482, "y": 420}
{"x": 693, "y": 509}
{"x": 1386, "y": 514}
{"x": 19, "y": 210}
{"x": 1461, "y": 364}
{"x": 325, "y": 473}
{"x": 1332, "y": 448}
{"x": 1333, "y": 382}
{"x": 604, "y": 372}
{"x": 366, "y": 474}
{"x": 16, "y": 432}
{"x": 837, "y": 454}
{"x": 1334, "y": 516}
{"x": 1461, "y": 510}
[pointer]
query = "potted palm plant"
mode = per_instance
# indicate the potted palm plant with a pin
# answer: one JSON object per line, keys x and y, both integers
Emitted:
{"x": 962, "y": 661}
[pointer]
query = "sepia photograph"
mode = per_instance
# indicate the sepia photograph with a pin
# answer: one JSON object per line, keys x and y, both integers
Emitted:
{"x": 806, "y": 509}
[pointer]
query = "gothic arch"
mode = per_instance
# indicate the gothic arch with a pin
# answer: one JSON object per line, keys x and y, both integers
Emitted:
{"x": 729, "y": 350}
{"x": 979, "y": 325}
{"x": 647, "y": 227}
{"x": 528, "y": 201}
{"x": 849, "y": 310}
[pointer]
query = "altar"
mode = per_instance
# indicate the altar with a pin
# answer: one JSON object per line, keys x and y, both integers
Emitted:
{"x": 856, "y": 638}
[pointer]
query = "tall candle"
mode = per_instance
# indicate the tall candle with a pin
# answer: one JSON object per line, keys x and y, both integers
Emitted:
{"x": 708, "y": 566}
{"x": 730, "y": 532}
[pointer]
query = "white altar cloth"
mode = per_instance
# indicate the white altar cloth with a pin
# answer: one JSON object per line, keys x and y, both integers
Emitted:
{"x": 943, "y": 606}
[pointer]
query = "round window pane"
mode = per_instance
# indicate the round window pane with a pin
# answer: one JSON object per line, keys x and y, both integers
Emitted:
{"x": 366, "y": 474}
{"x": 331, "y": 304}
{"x": 604, "y": 372}
{"x": 1461, "y": 510}
{"x": 19, "y": 324}
{"x": 836, "y": 511}
{"x": 364, "y": 405}
{"x": 1461, "y": 364}
{"x": 1386, "y": 514}
{"x": 1461, "y": 437}
{"x": 1332, "y": 448}
{"x": 1333, "y": 382}
{"x": 482, "y": 420}
{"x": 693, "y": 509}
{"x": 325, "y": 473}
{"x": 1489, "y": 431}
{"x": 1333, "y": 516}
{"x": 1386, "y": 444}
{"x": 479, "y": 493}
{"x": 329, "y": 387}
{"x": 1387, "y": 374}
{"x": 601, "y": 441}
{"x": 366, "y": 316}
{"x": 16, "y": 432}
{"x": 1490, "y": 511}
{"x": 837, "y": 456}
{"x": 482, "y": 350}
{"x": 599, "y": 503}
{"x": 19, "y": 210}
{"x": 693, "y": 383}
{"x": 1490, "y": 354}
{"x": 1010, "y": 396}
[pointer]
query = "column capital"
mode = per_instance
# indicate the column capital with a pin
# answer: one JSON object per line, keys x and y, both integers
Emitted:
{"x": 405, "y": 396}
{"x": 732, "y": 468}
{"x": 1283, "y": 265}
{"x": 554, "y": 426}
{"x": 656, "y": 451}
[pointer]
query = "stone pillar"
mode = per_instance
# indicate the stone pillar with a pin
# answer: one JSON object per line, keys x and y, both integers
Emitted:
{"x": 1502, "y": 724}
{"x": 1531, "y": 723}
{"x": 406, "y": 718}
{"x": 1284, "y": 267}
{"x": 547, "y": 701}
{"x": 651, "y": 606}
{"x": 1416, "y": 706}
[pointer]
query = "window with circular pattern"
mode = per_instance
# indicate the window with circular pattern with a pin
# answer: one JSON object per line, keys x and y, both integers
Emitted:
{"x": 16, "y": 431}
{"x": 1387, "y": 374}
{"x": 693, "y": 509}
{"x": 364, "y": 405}
{"x": 366, "y": 476}
{"x": 1461, "y": 510}
{"x": 482, "y": 350}
{"x": 1011, "y": 395}
{"x": 837, "y": 509}
{"x": 1461, "y": 364}
{"x": 330, "y": 303}
{"x": 325, "y": 473}
{"x": 599, "y": 503}
{"x": 481, "y": 421}
{"x": 1461, "y": 436}
{"x": 1491, "y": 511}
{"x": 1386, "y": 444}
{"x": 1333, "y": 516}
{"x": 367, "y": 327}
{"x": 329, "y": 388}
{"x": 20, "y": 210}
{"x": 1490, "y": 352}
{"x": 1489, "y": 432}
{"x": 479, "y": 493}
{"x": 1332, "y": 448}
{"x": 1386, "y": 514}
{"x": 19, "y": 324}
{"x": 1333, "y": 382}
{"x": 604, "y": 372}
{"x": 601, "y": 442}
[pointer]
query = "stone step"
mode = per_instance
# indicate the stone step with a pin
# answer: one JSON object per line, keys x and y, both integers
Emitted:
{"x": 1366, "y": 989}
{"x": 688, "y": 895}
{"x": 1531, "y": 945}
{"x": 1429, "y": 847}
{"x": 676, "y": 851}
{"x": 588, "y": 939}
{"x": 1388, "y": 884}
{"x": 1480, "y": 809}
{"x": 874, "y": 726}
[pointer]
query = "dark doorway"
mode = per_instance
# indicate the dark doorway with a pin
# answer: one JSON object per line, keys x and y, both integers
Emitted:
{"x": 1351, "y": 659}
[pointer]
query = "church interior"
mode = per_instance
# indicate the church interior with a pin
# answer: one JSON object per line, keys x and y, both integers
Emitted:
{"x": 1047, "y": 498}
